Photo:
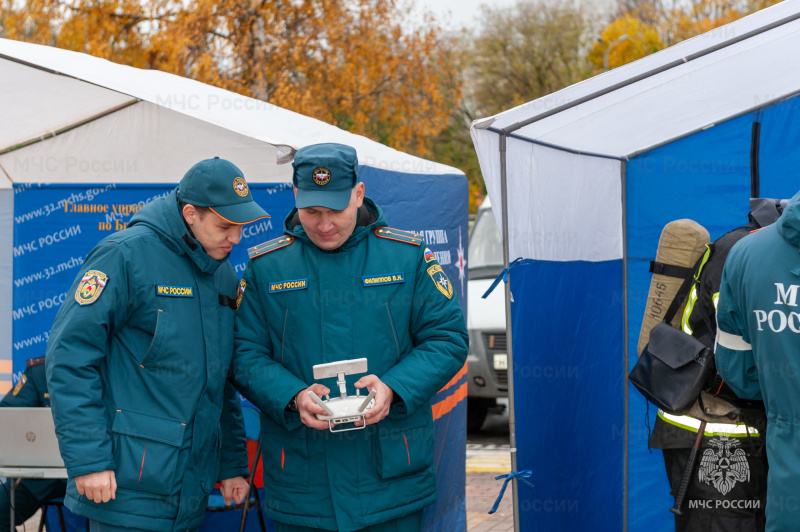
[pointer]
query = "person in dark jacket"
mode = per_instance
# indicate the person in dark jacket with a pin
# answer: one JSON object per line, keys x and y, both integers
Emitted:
{"x": 341, "y": 285}
{"x": 31, "y": 494}
{"x": 138, "y": 358}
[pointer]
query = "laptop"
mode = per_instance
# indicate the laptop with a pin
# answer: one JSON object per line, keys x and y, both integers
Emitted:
{"x": 28, "y": 438}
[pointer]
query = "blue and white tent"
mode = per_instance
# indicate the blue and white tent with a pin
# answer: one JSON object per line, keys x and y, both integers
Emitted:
{"x": 587, "y": 177}
{"x": 85, "y": 142}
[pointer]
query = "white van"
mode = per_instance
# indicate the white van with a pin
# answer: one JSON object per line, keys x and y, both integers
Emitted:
{"x": 486, "y": 320}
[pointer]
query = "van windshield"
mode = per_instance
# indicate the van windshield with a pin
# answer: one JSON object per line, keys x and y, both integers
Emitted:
{"x": 485, "y": 247}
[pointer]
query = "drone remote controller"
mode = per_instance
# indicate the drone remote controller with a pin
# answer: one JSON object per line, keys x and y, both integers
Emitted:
{"x": 343, "y": 409}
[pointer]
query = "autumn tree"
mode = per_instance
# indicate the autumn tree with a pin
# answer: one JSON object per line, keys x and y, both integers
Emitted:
{"x": 518, "y": 53}
{"x": 524, "y": 52}
{"x": 645, "y": 27}
{"x": 353, "y": 64}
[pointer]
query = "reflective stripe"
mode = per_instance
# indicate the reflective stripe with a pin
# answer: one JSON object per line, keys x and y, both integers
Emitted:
{"x": 712, "y": 429}
{"x": 731, "y": 341}
{"x": 688, "y": 310}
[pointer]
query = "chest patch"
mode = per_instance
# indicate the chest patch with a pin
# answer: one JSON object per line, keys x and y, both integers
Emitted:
{"x": 285, "y": 286}
{"x": 384, "y": 278}
{"x": 174, "y": 291}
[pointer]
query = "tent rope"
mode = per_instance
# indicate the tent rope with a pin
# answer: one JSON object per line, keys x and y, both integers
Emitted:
{"x": 519, "y": 475}
{"x": 504, "y": 275}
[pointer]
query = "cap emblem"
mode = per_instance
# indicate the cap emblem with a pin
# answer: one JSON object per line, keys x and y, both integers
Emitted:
{"x": 322, "y": 176}
{"x": 240, "y": 187}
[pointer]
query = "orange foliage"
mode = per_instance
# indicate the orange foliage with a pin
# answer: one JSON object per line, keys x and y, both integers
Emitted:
{"x": 626, "y": 39}
{"x": 353, "y": 64}
{"x": 653, "y": 25}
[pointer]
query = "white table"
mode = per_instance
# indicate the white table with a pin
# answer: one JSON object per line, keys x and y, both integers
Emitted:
{"x": 14, "y": 473}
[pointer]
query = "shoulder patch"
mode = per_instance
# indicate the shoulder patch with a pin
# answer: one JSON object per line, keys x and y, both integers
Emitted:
{"x": 399, "y": 235}
{"x": 91, "y": 286}
{"x": 19, "y": 385}
{"x": 441, "y": 281}
{"x": 270, "y": 245}
{"x": 35, "y": 362}
{"x": 240, "y": 293}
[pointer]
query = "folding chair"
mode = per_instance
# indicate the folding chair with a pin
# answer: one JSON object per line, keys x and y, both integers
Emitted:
{"x": 58, "y": 502}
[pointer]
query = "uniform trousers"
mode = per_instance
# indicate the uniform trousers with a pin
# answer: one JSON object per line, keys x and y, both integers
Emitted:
{"x": 97, "y": 526}
{"x": 407, "y": 523}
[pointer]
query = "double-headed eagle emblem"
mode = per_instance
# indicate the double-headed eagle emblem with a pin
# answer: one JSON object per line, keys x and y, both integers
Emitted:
{"x": 724, "y": 465}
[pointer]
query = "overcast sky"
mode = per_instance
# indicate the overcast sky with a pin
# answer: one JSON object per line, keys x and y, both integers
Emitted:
{"x": 466, "y": 13}
{"x": 461, "y": 13}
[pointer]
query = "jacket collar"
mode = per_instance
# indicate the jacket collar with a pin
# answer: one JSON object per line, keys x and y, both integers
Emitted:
{"x": 370, "y": 217}
{"x": 164, "y": 216}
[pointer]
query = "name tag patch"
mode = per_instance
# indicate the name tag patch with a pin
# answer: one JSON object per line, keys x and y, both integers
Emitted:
{"x": 284, "y": 286}
{"x": 174, "y": 291}
{"x": 386, "y": 278}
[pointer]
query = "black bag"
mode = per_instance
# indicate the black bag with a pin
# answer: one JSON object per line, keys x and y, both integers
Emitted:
{"x": 673, "y": 369}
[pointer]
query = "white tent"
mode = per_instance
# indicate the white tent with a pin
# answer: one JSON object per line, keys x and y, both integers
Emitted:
{"x": 586, "y": 178}
{"x": 72, "y": 122}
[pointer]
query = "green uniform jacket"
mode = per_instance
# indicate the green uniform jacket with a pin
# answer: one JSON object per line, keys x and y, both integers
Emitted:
{"x": 137, "y": 378}
{"x": 375, "y": 298}
{"x": 31, "y": 391}
{"x": 758, "y": 348}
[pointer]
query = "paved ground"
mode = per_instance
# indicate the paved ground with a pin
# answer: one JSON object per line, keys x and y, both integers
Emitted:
{"x": 487, "y": 457}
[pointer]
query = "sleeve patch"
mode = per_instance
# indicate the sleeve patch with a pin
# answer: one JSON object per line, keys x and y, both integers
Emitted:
{"x": 240, "y": 293}
{"x": 19, "y": 385}
{"x": 399, "y": 235}
{"x": 90, "y": 287}
{"x": 441, "y": 281}
{"x": 270, "y": 245}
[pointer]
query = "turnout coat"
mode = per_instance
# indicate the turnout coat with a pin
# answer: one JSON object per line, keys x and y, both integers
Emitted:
{"x": 136, "y": 363}
{"x": 381, "y": 296}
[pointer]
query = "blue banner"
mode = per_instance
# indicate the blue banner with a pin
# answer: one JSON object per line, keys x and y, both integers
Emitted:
{"x": 55, "y": 227}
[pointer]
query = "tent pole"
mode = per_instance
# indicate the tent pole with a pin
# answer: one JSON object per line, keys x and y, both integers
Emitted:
{"x": 624, "y": 199}
{"x": 512, "y": 424}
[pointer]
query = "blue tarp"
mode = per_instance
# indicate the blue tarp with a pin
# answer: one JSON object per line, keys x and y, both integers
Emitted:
{"x": 567, "y": 327}
{"x": 566, "y": 315}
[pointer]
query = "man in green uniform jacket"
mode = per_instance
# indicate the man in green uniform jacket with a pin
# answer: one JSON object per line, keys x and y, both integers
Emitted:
{"x": 30, "y": 391}
{"x": 341, "y": 285}
{"x": 138, "y": 358}
{"x": 758, "y": 349}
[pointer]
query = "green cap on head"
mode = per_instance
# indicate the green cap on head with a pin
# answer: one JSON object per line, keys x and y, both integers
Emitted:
{"x": 324, "y": 175}
{"x": 220, "y": 185}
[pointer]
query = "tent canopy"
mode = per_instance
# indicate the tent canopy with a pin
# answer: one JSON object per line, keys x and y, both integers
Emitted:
{"x": 682, "y": 90}
{"x": 588, "y": 177}
{"x": 134, "y": 112}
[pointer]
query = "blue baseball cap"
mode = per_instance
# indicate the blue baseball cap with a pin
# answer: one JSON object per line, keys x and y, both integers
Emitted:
{"x": 219, "y": 185}
{"x": 324, "y": 175}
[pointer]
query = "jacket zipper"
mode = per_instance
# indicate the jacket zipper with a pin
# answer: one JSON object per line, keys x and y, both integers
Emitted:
{"x": 155, "y": 334}
{"x": 283, "y": 336}
{"x": 394, "y": 332}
